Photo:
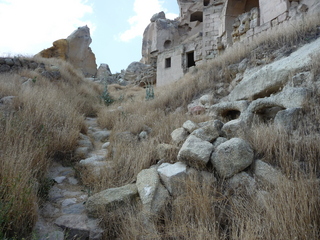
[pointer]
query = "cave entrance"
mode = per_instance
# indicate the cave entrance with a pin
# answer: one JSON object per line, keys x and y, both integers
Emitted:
{"x": 196, "y": 16}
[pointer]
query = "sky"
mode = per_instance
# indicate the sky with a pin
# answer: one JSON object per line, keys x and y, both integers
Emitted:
{"x": 116, "y": 27}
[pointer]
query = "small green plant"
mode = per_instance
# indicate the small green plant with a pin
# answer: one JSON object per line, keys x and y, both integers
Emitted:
{"x": 106, "y": 97}
{"x": 34, "y": 79}
{"x": 149, "y": 92}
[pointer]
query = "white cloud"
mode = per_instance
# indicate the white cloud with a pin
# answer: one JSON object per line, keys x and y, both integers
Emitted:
{"x": 28, "y": 26}
{"x": 144, "y": 9}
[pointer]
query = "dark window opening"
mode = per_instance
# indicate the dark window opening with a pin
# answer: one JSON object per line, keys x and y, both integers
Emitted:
{"x": 197, "y": 16}
{"x": 206, "y": 2}
{"x": 190, "y": 59}
{"x": 168, "y": 63}
{"x": 167, "y": 44}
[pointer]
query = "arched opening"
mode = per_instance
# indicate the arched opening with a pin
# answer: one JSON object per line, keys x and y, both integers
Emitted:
{"x": 167, "y": 44}
{"x": 196, "y": 16}
{"x": 240, "y": 16}
{"x": 206, "y": 2}
{"x": 230, "y": 114}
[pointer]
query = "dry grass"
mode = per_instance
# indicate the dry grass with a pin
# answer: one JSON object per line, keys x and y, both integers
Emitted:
{"x": 288, "y": 211}
{"x": 43, "y": 122}
{"x": 48, "y": 115}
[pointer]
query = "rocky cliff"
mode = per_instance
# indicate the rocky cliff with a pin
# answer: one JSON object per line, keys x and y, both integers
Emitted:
{"x": 75, "y": 49}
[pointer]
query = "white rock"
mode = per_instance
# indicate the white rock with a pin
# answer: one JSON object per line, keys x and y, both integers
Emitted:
{"x": 190, "y": 126}
{"x": 173, "y": 176}
{"x": 179, "y": 135}
{"x": 152, "y": 194}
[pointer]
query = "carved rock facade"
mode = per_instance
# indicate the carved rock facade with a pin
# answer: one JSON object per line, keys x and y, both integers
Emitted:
{"x": 206, "y": 27}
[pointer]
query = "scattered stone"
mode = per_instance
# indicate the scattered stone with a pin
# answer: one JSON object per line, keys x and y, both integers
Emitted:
{"x": 179, "y": 135}
{"x": 101, "y": 136}
{"x": 105, "y": 145}
{"x": 190, "y": 126}
{"x": 59, "y": 179}
{"x": 74, "y": 225}
{"x": 110, "y": 199}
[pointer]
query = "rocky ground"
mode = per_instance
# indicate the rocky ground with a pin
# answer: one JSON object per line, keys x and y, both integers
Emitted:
{"x": 63, "y": 215}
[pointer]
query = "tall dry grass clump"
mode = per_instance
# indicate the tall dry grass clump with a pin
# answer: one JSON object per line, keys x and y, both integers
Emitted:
{"x": 42, "y": 123}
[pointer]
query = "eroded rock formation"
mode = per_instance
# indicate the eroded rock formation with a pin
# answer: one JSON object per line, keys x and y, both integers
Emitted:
{"x": 75, "y": 49}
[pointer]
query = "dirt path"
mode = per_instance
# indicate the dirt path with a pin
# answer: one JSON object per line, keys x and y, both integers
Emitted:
{"x": 63, "y": 215}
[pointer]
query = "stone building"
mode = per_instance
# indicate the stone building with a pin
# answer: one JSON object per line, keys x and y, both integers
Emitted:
{"x": 206, "y": 27}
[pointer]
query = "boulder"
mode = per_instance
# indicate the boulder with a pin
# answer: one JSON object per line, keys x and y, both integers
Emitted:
{"x": 232, "y": 157}
{"x": 190, "y": 126}
{"x": 289, "y": 118}
{"x": 219, "y": 141}
{"x": 266, "y": 173}
{"x": 111, "y": 199}
{"x": 235, "y": 128}
{"x": 210, "y": 132}
{"x": 242, "y": 181}
{"x": 103, "y": 72}
{"x": 173, "y": 177}
{"x": 195, "y": 152}
{"x": 179, "y": 135}
{"x": 152, "y": 193}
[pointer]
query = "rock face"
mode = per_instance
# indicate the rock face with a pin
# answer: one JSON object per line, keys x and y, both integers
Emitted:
{"x": 140, "y": 73}
{"x": 76, "y": 50}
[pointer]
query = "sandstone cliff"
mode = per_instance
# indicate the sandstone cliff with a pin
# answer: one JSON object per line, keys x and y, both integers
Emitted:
{"x": 76, "y": 50}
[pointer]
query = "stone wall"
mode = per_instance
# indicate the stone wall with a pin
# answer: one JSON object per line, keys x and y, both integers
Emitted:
{"x": 15, "y": 64}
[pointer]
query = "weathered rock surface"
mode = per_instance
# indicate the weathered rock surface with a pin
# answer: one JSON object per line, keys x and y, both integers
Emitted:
{"x": 195, "y": 152}
{"x": 210, "y": 132}
{"x": 232, "y": 157}
{"x": 140, "y": 73}
{"x": 110, "y": 199}
{"x": 173, "y": 177}
{"x": 75, "y": 49}
{"x": 152, "y": 193}
{"x": 267, "y": 173}
{"x": 270, "y": 78}
{"x": 179, "y": 135}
